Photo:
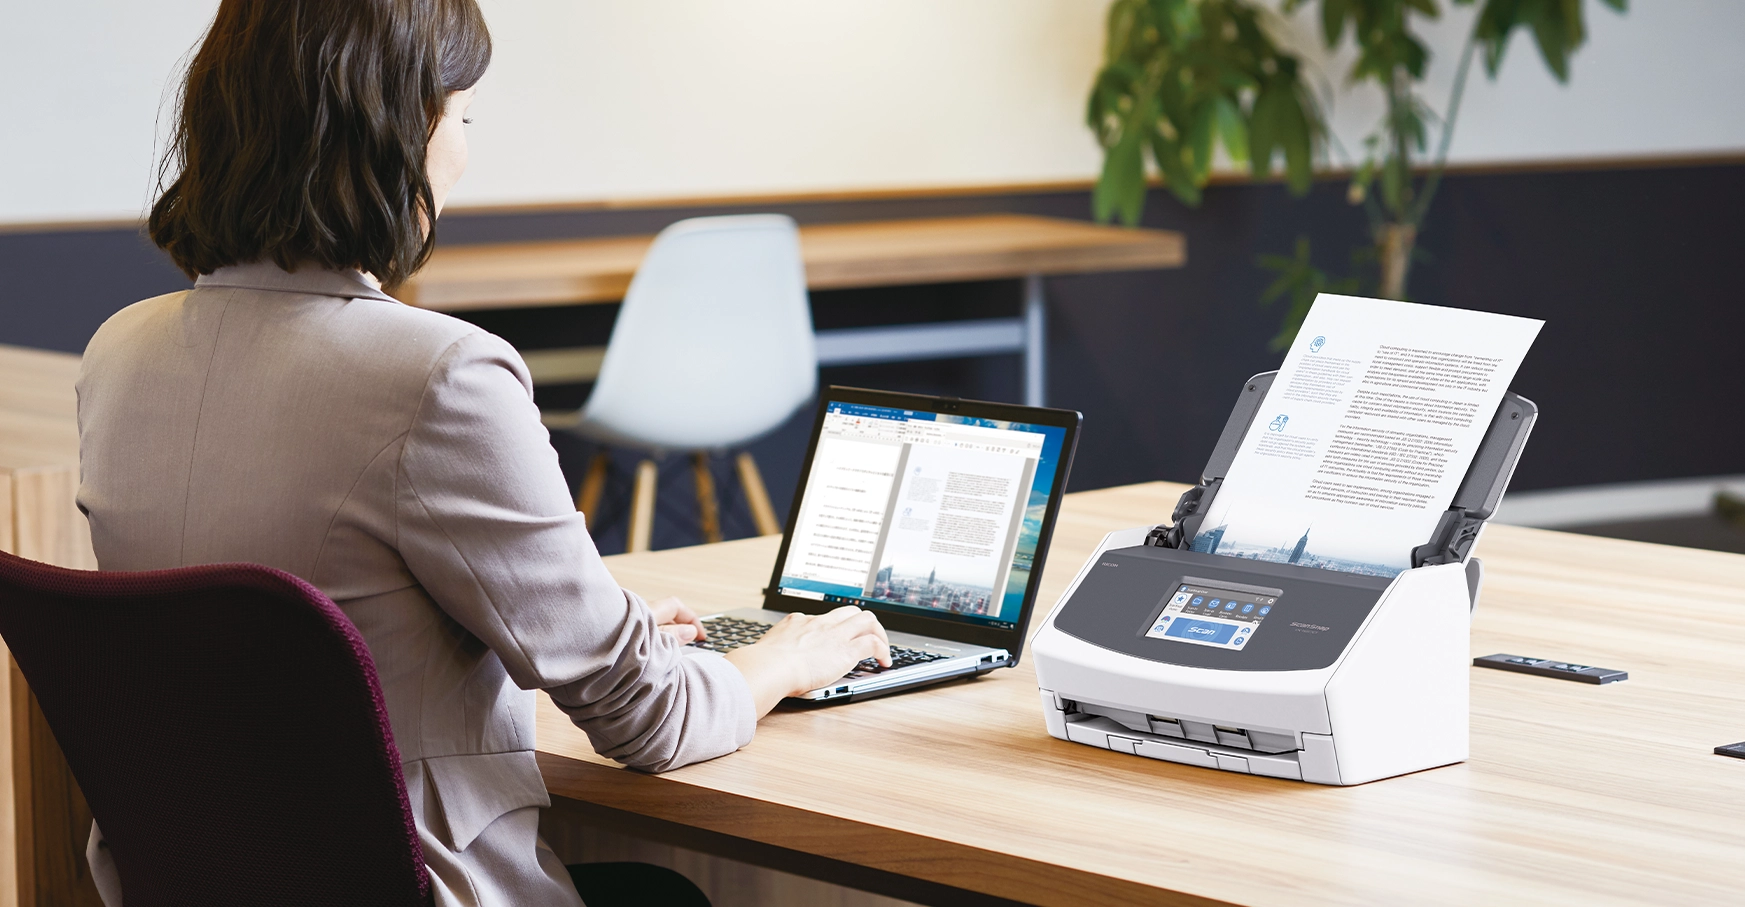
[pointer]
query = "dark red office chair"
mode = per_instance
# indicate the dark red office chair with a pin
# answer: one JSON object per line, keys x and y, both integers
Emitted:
{"x": 226, "y": 727}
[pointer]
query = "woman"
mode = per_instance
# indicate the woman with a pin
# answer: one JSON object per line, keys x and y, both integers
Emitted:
{"x": 288, "y": 411}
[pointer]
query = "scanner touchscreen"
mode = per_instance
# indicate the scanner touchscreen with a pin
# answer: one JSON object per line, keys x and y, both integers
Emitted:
{"x": 1214, "y": 613}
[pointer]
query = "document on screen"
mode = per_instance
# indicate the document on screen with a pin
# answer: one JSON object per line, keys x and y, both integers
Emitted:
{"x": 918, "y": 509}
{"x": 953, "y": 522}
{"x": 1365, "y": 435}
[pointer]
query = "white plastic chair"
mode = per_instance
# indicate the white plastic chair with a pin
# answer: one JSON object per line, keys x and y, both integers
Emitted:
{"x": 712, "y": 349}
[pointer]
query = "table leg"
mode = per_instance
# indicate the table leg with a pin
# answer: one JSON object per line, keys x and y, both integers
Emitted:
{"x": 1035, "y": 340}
{"x": 642, "y": 495}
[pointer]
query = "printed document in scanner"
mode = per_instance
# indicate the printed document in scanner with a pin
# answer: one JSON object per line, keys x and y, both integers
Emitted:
{"x": 1365, "y": 435}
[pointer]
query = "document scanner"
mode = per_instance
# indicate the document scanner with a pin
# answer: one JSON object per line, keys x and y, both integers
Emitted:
{"x": 1340, "y": 678}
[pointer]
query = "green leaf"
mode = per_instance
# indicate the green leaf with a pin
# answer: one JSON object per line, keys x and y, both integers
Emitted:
{"x": 1413, "y": 55}
{"x": 1299, "y": 163}
{"x": 1176, "y": 176}
{"x": 1333, "y": 15}
{"x": 1200, "y": 136}
{"x": 1296, "y": 136}
{"x": 1102, "y": 106}
{"x": 1263, "y": 131}
{"x": 1558, "y": 27}
{"x": 1554, "y": 40}
{"x": 1121, "y": 187}
{"x": 1231, "y": 129}
{"x": 1122, "y": 24}
{"x": 1407, "y": 122}
{"x": 1574, "y": 28}
{"x": 1186, "y": 19}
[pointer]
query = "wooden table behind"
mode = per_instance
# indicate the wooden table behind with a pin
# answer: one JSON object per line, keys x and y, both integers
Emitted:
{"x": 43, "y": 817}
{"x": 1574, "y": 794}
{"x": 866, "y": 254}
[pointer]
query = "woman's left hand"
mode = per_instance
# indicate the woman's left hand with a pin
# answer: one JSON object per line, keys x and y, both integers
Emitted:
{"x": 678, "y": 620}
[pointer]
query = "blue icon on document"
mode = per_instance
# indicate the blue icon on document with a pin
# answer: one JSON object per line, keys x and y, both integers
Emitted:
{"x": 1213, "y": 605}
{"x": 1239, "y": 640}
{"x": 1278, "y": 423}
{"x": 1244, "y": 629}
{"x": 1247, "y": 608}
{"x": 1316, "y": 344}
{"x": 1230, "y": 607}
{"x": 1264, "y": 610}
{"x": 1199, "y": 598}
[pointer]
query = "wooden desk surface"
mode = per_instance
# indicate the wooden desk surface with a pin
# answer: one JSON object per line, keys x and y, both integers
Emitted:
{"x": 864, "y": 254}
{"x": 38, "y": 411}
{"x": 1574, "y": 794}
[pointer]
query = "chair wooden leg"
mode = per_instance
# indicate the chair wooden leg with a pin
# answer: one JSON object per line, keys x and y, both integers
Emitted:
{"x": 756, "y": 496}
{"x": 708, "y": 508}
{"x": 642, "y": 507}
{"x": 593, "y": 483}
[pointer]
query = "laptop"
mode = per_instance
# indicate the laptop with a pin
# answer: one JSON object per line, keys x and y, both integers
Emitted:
{"x": 934, "y": 513}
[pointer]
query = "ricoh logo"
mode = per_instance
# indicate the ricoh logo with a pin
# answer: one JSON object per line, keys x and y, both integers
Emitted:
{"x": 1316, "y": 627}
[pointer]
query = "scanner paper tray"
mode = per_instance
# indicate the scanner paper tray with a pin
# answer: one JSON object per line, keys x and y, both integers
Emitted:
{"x": 1107, "y": 733}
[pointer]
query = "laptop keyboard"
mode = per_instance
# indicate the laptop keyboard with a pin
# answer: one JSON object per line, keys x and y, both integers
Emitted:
{"x": 729, "y": 633}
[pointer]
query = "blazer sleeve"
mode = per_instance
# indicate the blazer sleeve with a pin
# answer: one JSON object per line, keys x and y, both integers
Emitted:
{"x": 486, "y": 524}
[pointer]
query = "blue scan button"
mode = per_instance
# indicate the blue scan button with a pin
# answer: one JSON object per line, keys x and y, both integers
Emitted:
{"x": 1202, "y": 630}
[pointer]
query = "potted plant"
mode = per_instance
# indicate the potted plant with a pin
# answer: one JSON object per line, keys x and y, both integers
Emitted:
{"x": 1182, "y": 76}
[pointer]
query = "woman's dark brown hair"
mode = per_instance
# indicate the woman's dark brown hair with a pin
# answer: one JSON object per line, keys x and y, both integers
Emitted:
{"x": 302, "y": 132}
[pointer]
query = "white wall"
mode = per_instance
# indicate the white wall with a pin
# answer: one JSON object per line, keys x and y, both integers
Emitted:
{"x": 624, "y": 99}
{"x": 1662, "y": 79}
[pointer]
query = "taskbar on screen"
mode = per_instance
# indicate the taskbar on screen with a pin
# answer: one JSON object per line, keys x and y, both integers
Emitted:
{"x": 921, "y": 610}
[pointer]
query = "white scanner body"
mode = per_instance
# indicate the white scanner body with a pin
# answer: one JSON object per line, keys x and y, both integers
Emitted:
{"x": 1395, "y": 700}
{"x": 1348, "y": 679}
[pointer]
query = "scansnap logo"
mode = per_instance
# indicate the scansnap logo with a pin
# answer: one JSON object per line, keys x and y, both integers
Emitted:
{"x": 1316, "y": 627}
{"x": 1110, "y": 564}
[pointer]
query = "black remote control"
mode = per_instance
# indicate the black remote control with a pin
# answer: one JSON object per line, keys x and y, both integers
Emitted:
{"x": 1548, "y": 667}
{"x": 1736, "y": 750}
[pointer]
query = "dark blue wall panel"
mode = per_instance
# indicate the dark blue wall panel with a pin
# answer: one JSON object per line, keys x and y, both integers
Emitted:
{"x": 1634, "y": 270}
{"x": 57, "y": 287}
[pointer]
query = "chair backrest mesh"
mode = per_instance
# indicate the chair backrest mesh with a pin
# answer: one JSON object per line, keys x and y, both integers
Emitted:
{"x": 227, "y": 728}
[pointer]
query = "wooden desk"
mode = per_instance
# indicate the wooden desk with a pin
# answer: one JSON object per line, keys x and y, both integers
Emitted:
{"x": 1574, "y": 794}
{"x": 43, "y": 818}
{"x": 838, "y": 256}
{"x": 39, "y": 458}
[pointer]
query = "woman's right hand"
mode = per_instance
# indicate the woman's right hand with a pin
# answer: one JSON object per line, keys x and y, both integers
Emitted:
{"x": 803, "y": 652}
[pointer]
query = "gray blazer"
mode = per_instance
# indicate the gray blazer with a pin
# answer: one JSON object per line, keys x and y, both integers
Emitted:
{"x": 393, "y": 457}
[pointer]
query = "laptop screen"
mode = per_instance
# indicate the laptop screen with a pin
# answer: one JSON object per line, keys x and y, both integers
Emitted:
{"x": 927, "y": 513}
